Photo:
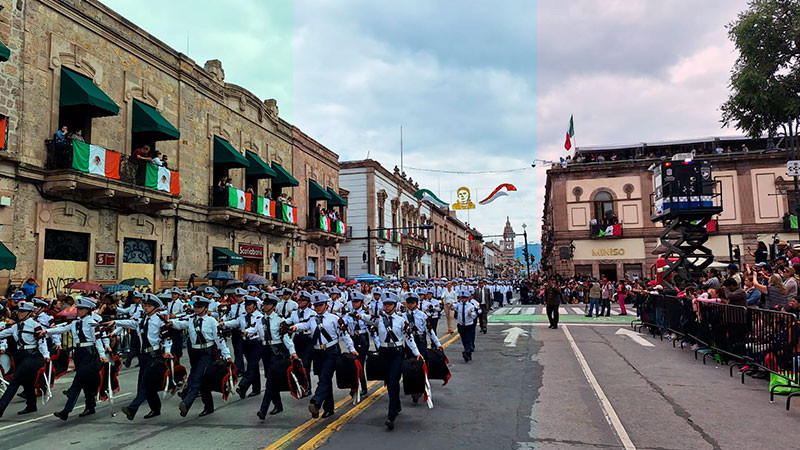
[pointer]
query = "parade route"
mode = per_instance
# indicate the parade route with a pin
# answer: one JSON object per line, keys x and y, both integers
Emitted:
{"x": 537, "y": 394}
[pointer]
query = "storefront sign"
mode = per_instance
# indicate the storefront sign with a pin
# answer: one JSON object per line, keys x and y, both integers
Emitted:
{"x": 251, "y": 251}
{"x": 598, "y": 249}
{"x": 105, "y": 259}
{"x": 608, "y": 252}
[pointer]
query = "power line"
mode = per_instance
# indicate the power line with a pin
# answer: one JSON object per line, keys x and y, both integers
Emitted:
{"x": 467, "y": 172}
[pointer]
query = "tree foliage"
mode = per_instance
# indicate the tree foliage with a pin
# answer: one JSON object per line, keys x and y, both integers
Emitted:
{"x": 765, "y": 80}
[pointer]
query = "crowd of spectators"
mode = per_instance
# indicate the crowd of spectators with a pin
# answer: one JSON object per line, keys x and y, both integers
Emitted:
{"x": 597, "y": 157}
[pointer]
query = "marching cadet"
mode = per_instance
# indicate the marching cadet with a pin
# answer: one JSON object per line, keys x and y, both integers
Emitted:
{"x": 326, "y": 334}
{"x": 286, "y": 305}
{"x": 236, "y": 310}
{"x": 335, "y": 304}
{"x": 432, "y": 308}
{"x": 211, "y": 294}
{"x": 30, "y": 356}
{"x": 302, "y": 339}
{"x": 359, "y": 332}
{"x": 88, "y": 352}
{"x": 133, "y": 312}
{"x": 176, "y": 308}
{"x": 274, "y": 348}
{"x": 465, "y": 314}
{"x": 148, "y": 328}
{"x": 46, "y": 320}
{"x": 419, "y": 324}
{"x": 251, "y": 346}
{"x": 204, "y": 342}
{"x": 393, "y": 330}
{"x": 376, "y": 306}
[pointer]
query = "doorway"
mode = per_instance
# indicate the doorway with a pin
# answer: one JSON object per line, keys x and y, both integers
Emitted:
{"x": 608, "y": 271}
{"x": 251, "y": 265}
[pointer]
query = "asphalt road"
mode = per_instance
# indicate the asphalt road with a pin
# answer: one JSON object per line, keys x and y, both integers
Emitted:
{"x": 536, "y": 394}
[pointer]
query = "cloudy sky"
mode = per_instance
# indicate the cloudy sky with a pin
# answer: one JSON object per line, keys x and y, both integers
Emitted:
{"x": 477, "y": 86}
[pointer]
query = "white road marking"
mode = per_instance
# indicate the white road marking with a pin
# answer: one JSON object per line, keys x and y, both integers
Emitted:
{"x": 529, "y": 311}
{"x": 608, "y": 410}
{"x": 578, "y": 310}
{"x": 634, "y": 336}
{"x": 515, "y": 310}
{"x": 563, "y": 311}
{"x": 36, "y": 419}
{"x": 512, "y": 334}
{"x": 529, "y": 324}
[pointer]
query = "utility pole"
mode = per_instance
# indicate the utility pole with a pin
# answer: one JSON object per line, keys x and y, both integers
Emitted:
{"x": 525, "y": 250}
{"x": 369, "y": 250}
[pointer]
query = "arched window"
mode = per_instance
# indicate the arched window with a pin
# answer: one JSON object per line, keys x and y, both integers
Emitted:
{"x": 603, "y": 207}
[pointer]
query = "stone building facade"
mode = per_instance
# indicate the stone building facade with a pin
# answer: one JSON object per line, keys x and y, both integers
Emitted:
{"x": 65, "y": 224}
{"x": 753, "y": 188}
{"x": 455, "y": 254}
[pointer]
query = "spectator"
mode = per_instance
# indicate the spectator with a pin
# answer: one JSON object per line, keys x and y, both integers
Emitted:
{"x": 60, "y": 137}
{"x": 775, "y": 291}
{"x": 761, "y": 254}
{"x": 164, "y": 161}
{"x": 156, "y": 159}
{"x": 733, "y": 293}
{"x": 250, "y": 190}
{"x": 789, "y": 282}
{"x": 713, "y": 281}
{"x": 29, "y": 287}
{"x": 268, "y": 193}
{"x": 733, "y": 272}
{"x": 77, "y": 136}
{"x": 142, "y": 154}
{"x": 753, "y": 294}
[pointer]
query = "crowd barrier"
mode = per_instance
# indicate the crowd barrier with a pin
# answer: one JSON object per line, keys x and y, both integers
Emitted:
{"x": 750, "y": 339}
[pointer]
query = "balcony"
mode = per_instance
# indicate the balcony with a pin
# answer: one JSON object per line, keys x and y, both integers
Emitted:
{"x": 327, "y": 231}
{"x": 234, "y": 207}
{"x": 82, "y": 172}
{"x": 417, "y": 241}
{"x": 605, "y": 231}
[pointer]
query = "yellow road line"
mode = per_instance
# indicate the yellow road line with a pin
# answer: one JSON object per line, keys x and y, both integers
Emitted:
{"x": 336, "y": 425}
{"x": 298, "y": 431}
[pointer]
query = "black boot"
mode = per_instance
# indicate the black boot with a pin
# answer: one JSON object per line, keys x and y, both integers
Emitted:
{"x": 63, "y": 415}
{"x": 87, "y": 412}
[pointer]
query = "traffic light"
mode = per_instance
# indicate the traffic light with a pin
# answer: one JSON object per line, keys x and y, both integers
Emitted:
{"x": 471, "y": 237}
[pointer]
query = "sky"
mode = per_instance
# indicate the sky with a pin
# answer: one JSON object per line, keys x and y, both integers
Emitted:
{"x": 476, "y": 86}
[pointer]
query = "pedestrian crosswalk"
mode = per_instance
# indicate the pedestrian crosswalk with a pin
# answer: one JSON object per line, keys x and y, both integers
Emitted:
{"x": 532, "y": 310}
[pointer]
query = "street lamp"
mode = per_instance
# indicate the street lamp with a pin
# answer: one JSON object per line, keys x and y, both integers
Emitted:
{"x": 525, "y": 250}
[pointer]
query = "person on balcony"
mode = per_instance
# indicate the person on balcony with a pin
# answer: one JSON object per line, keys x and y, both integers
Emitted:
{"x": 142, "y": 154}
{"x": 164, "y": 161}
{"x": 61, "y": 136}
{"x": 282, "y": 198}
{"x": 77, "y": 136}
{"x": 156, "y": 159}
{"x": 250, "y": 190}
{"x": 268, "y": 193}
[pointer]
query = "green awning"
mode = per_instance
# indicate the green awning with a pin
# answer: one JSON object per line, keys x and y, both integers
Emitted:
{"x": 78, "y": 90}
{"x": 147, "y": 120}
{"x": 225, "y": 154}
{"x": 258, "y": 168}
{"x": 221, "y": 256}
{"x": 7, "y": 259}
{"x": 316, "y": 192}
{"x": 336, "y": 199}
{"x": 283, "y": 178}
{"x": 5, "y": 52}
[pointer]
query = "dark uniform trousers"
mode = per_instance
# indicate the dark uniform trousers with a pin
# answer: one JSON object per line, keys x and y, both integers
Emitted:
{"x": 361, "y": 343}
{"x": 201, "y": 360}
{"x": 252, "y": 377}
{"x": 237, "y": 342}
{"x": 177, "y": 344}
{"x": 87, "y": 378}
{"x": 325, "y": 366}
{"x": 146, "y": 387}
{"x": 483, "y": 317}
{"x": 304, "y": 347}
{"x": 134, "y": 348}
{"x": 552, "y": 314}
{"x": 271, "y": 355}
{"x": 27, "y": 364}
{"x": 422, "y": 343}
{"x": 393, "y": 358}
{"x": 467, "y": 333}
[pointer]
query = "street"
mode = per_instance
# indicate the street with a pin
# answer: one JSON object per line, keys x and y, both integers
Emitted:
{"x": 534, "y": 394}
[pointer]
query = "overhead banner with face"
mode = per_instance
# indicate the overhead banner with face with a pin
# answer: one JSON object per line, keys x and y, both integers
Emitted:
{"x": 463, "y": 200}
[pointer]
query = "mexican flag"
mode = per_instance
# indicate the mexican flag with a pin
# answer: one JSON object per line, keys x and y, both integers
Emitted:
{"x": 236, "y": 198}
{"x": 289, "y": 213}
{"x": 385, "y": 234}
{"x": 341, "y": 227}
{"x": 398, "y": 236}
{"x": 265, "y": 207}
{"x": 162, "y": 179}
{"x": 611, "y": 230}
{"x": 324, "y": 223}
{"x": 95, "y": 160}
{"x": 570, "y": 135}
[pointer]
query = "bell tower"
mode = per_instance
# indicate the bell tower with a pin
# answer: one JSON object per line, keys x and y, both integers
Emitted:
{"x": 508, "y": 240}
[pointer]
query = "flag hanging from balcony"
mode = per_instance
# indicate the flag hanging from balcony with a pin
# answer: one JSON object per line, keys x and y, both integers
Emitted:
{"x": 341, "y": 227}
{"x": 95, "y": 160}
{"x": 236, "y": 198}
{"x": 325, "y": 223}
{"x": 570, "y": 135}
{"x": 386, "y": 234}
{"x": 265, "y": 207}
{"x": 161, "y": 178}
{"x": 289, "y": 213}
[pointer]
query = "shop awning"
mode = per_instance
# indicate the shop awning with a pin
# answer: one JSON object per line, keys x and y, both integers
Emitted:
{"x": 336, "y": 199}
{"x": 316, "y": 192}
{"x": 7, "y": 259}
{"x": 78, "y": 90}
{"x": 222, "y": 256}
{"x": 225, "y": 154}
{"x": 258, "y": 168}
{"x": 5, "y": 52}
{"x": 283, "y": 178}
{"x": 147, "y": 120}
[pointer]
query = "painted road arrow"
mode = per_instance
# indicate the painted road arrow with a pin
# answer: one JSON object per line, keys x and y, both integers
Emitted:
{"x": 635, "y": 337}
{"x": 512, "y": 334}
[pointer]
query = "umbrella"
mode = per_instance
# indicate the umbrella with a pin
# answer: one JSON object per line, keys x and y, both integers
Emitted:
{"x": 367, "y": 277}
{"x": 307, "y": 278}
{"x": 254, "y": 278}
{"x": 340, "y": 280}
{"x": 118, "y": 287}
{"x": 219, "y": 275}
{"x": 71, "y": 311}
{"x": 328, "y": 278}
{"x": 135, "y": 282}
{"x": 351, "y": 282}
{"x": 83, "y": 286}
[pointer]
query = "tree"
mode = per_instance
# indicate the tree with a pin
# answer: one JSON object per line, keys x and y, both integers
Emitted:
{"x": 765, "y": 80}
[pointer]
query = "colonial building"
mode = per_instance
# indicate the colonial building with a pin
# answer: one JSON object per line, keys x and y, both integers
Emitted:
{"x": 384, "y": 217}
{"x": 230, "y": 198}
{"x": 458, "y": 250}
{"x": 319, "y": 232}
{"x": 597, "y": 207}
{"x": 508, "y": 240}
{"x": 492, "y": 256}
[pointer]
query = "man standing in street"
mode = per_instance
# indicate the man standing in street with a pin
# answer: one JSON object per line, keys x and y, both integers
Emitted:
{"x": 552, "y": 299}
{"x": 595, "y": 292}
{"x": 449, "y": 298}
{"x": 605, "y": 297}
{"x": 484, "y": 297}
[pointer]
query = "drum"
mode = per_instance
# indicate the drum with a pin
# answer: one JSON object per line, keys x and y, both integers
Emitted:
{"x": 414, "y": 376}
{"x": 437, "y": 365}
{"x": 6, "y": 366}
{"x": 220, "y": 377}
{"x": 348, "y": 371}
{"x": 376, "y": 367}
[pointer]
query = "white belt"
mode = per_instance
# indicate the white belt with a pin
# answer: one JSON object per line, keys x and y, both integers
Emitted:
{"x": 274, "y": 342}
{"x": 85, "y": 344}
{"x": 202, "y": 346}
{"x": 150, "y": 349}
{"x": 30, "y": 347}
{"x": 359, "y": 332}
{"x": 390, "y": 345}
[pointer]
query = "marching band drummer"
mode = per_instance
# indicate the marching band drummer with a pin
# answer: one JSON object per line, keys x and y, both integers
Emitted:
{"x": 393, "y": 331}
{"x": 148, "y": 328}
{"x": 204, "y": 341}
{"x": 250, "y": 345}
{"x": 420, "y": 325}
{"x": 359, "y": 332}
{"x": 302, "y": 339}
{"x": 274, "y": 348}
{"x": 30, "y": 356}
{"x": 88, "y": 351}
{"x": 326, "y": 334}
